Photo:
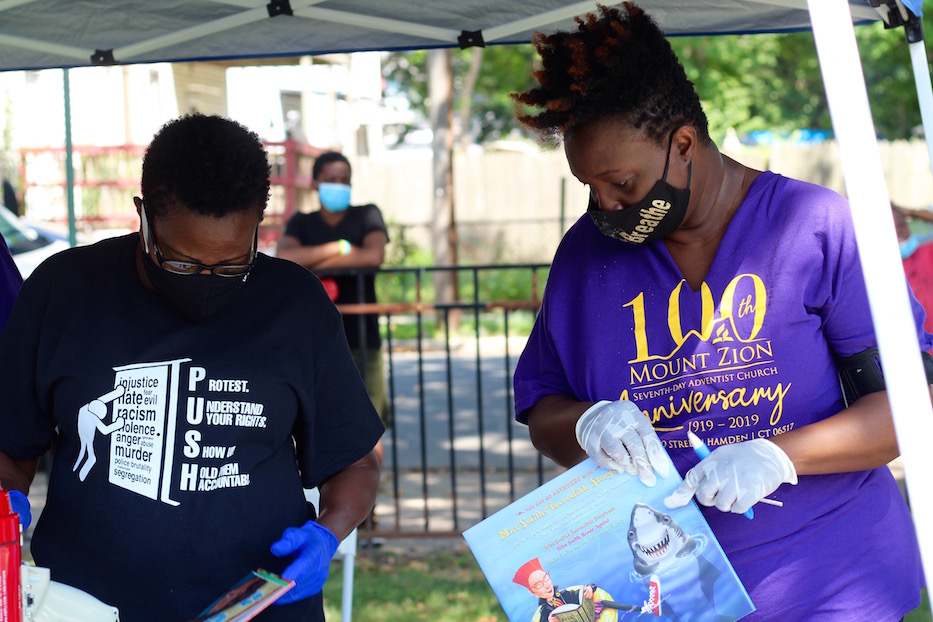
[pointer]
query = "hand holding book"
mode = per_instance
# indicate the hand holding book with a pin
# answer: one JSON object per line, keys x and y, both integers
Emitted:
{"x": 597, "y": 542}
{"x": 243, "y": 601}
{"x": 313, "y": 546}
{"x": 617, "y": 435}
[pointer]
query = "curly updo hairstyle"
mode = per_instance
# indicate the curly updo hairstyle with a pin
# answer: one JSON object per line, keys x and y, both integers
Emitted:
{"x": 618, "y": 65}
{"x": 211, "y": 165}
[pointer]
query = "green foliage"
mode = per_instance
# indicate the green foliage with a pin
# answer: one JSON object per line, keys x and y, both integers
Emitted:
{"x": 402, "y": 252}
{"x": 921, "y": 613}
{"x": 748, "y": 82}
{"x": 773, "y": 81}
{"x": 490, "y": 323}
{"x": 889, "y": 79}
{"x": 505, "y": 69}
{"x": 502, "y": 284}
{"x": 495, "y": 284}
{"x": 756, "y": 82}
{"x": 498, "y": 284}
{"x": 445, "y": 585}
{"x": 440, "y": 585}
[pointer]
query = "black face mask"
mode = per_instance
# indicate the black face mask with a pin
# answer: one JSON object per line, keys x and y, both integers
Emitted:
{"x": 195, "y": 296}
{"x": 654, "y": 217}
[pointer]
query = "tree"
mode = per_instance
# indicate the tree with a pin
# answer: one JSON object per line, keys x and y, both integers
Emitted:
{"x": 773, "y": 81}
{"x": 498, "y": 71}
{"x": 756, "y": 82}
{"x": 889, "y": 79}
{"x": 747, "y": 82}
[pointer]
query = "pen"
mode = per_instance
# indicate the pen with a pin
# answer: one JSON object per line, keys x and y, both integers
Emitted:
{"x": 701, "y": 450}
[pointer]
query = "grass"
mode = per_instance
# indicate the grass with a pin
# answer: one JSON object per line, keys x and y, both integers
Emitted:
{"x": 921, "y": 613}
{"x": 405, "y": 327}
{"x": 392, "y": 586}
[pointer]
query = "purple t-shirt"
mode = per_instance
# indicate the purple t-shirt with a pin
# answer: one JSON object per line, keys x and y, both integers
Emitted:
{"x": 749, "y": 355}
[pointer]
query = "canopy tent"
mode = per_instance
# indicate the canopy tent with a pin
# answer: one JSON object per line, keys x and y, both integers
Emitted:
{"x": 37, "y": 34}
{"x": 69, "y": 33}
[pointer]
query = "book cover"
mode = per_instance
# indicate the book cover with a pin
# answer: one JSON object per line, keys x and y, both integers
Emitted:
{"x": 596, "y": 545}
{"x": 242, "y": 602}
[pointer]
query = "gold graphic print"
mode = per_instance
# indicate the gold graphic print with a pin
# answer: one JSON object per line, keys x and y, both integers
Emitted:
{"x": 725, "y": 365}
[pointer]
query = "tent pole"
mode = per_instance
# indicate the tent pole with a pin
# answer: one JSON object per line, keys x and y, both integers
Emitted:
{"x": 918, "y": 57}
{"x": 69, "y": 165}
{"x": 881, "y": 263}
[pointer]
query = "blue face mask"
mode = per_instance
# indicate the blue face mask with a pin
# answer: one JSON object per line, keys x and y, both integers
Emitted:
{"x": 908, "y": 247}
{"x": 334, "y": 197}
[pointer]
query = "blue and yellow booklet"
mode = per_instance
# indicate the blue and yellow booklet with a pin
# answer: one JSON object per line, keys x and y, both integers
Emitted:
{"x": 596, "y": 545}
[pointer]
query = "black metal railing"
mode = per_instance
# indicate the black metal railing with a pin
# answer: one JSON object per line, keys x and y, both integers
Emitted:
{"x": 454, "y": 454}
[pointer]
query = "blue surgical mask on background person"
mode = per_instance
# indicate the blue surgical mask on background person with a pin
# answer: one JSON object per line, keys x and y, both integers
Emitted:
{"x": 334, "y": 197}
{"x": 908, "y": 246}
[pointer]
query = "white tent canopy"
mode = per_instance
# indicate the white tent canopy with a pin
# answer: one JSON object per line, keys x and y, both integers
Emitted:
{"x": 36, "y": 34}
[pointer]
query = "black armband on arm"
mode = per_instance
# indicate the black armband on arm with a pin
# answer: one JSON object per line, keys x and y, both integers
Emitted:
{"x": 861, "y": 373}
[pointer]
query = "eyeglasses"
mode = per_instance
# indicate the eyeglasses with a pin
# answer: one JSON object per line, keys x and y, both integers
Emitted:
{"x": 186, "y": 268}
{"x": 540, "y": 584}
{"x": 176, "y": 266}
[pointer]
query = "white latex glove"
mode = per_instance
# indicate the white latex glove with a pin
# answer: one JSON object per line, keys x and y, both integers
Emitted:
{"x": 617, "y": 435}
{"x": 735, "y": 477}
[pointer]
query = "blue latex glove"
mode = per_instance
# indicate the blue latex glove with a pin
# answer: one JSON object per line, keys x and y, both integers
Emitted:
{"x": 20, "y": 504}
{"x": 313, "y": 547}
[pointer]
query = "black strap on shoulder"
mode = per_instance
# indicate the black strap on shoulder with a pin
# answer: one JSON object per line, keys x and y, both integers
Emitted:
{"x": 861, "y": 373}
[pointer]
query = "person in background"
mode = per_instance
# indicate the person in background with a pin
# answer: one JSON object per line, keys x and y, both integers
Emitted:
{"x": 194, "y": 388}
{"x": 917, "y": 257}
{"x": 697, "y": 294}
{"x": 343, "y": 236}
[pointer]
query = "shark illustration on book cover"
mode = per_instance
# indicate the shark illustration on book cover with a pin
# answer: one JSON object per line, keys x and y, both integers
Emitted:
{"x": 596, "y": 545}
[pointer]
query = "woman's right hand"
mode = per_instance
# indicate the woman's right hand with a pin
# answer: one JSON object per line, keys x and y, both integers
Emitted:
{"x": 617, "y": 435}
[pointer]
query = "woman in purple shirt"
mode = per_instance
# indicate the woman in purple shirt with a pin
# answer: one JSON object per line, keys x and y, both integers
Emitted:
{"x": 699, "y": 295}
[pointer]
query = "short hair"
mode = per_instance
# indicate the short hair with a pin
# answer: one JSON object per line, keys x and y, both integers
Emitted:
{"x": 208, "y": 164}
{"x": 618, "y": 65}
{"x": 326, "y": 158}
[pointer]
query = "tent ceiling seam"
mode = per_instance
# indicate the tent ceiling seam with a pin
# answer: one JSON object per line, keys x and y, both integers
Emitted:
{"x": 44, "y": 46}
{"x": 9, "y": 4}
{"x": 249, "y": 16}
{"x": 380, "y": 23}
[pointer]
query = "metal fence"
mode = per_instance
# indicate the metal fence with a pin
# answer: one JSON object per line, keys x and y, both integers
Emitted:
{"x": 454, "y": 453}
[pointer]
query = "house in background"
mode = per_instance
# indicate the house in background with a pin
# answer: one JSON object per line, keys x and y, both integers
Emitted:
{"x": 297, "y": 105}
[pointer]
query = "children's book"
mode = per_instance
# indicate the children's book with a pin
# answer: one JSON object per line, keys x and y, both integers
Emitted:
{"x": 597, "y": 545}
{"x": 242, "y": 602}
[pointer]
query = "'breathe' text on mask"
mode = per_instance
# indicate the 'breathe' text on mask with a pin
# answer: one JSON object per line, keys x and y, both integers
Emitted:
{"x": 657, "y": 215}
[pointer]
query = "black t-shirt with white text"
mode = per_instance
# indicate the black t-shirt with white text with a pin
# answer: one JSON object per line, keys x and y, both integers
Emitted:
{"x": 182, "y": 448}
